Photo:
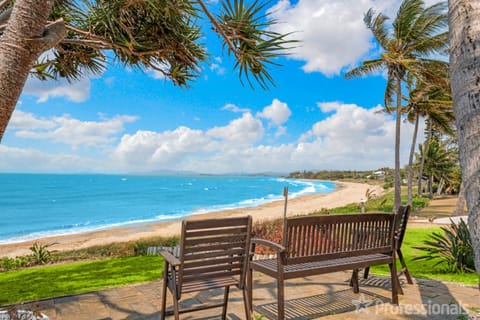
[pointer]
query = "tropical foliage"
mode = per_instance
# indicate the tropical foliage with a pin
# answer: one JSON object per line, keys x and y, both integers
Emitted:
{"x": 452, "y": 248}
{"x": 417, "y": 33}
{"x": 76, "y": 38}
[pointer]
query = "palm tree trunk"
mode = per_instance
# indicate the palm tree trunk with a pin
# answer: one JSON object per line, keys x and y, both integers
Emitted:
{"x": 430, "y": 186}
{"x": 410, "y": 162}
{"x": 422, "y": 163}
{"x": 26, "y": 36}
{"x": 464, "y": 23}
{"x": 441, "y": 183}
{"x": 398, "y": 195}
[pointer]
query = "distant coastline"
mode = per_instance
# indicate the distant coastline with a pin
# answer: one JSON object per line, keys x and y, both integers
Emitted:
{"x": 345, "y": 193}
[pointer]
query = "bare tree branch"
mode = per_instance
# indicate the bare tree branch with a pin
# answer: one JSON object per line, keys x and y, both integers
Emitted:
{"x": 53, "y": 34}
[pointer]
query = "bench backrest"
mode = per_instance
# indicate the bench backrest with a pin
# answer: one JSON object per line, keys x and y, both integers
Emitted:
{"x": 401, "y": 227}
{"x": 214, "y": 249}
{"x": 315, "y": 238}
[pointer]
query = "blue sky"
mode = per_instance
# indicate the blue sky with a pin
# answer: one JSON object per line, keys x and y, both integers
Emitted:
{"x": 128, "y": 121}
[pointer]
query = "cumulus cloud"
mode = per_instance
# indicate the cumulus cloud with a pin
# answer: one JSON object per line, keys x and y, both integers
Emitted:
{"x": 13, "y": 159}
{"x": 159, "y": 150}
{"x": 349, "y": 137}
{"x": 76, "y": 91}
{"x": 68, "y": 130}
{"x": 241, "y": 131}
{"x": 332, "y": 34}
{"x": 278, "y": 112}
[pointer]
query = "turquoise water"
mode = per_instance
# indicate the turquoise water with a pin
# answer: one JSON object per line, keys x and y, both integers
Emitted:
{"x": 39, "y": 205}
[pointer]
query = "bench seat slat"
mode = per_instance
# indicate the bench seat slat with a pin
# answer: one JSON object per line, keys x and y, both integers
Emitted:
{"x": 270, "y": 266}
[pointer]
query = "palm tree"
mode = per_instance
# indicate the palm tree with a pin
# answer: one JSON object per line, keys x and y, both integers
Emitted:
{"x": 417, "y": 33}
{"x": 430, "y": 100}
{"x": 464, "y": 23}
{"x": 439, "y": 163}
{"x": 154, "y": 34}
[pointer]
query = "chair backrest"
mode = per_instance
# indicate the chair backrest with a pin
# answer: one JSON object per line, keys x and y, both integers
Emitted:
{"x": 213, "y": 249}
{"x": 403, "y": 213}
{"x": 324, "y": 237}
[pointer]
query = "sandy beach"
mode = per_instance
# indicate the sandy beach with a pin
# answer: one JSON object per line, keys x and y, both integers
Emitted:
{"x": 345, "y": 193}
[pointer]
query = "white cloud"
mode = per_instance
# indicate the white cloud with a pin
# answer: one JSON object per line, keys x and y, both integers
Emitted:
{"x": 234, "y": 108}
{"x": 14, "y": 159}
{"x": 350, "y": 137}
{"x": 217, "y": 66}
{"x": 332, "y": 34}
{"x": 26, "y": 120}
{"x": 241, "y": 131}
{"x": 68, "y": 130}
{"x": 153, "y": 150}
{"x": 76, "y": 91}
{"x": 278, "y": 112}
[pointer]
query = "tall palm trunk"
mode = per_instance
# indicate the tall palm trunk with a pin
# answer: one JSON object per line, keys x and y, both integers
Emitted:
{"x": 464, "y": 23}
{"x": 410, "y": 162}
{"x": 398, "y": 195}
{"x": 24, "y": 39}
{"x": 422, "y": 163}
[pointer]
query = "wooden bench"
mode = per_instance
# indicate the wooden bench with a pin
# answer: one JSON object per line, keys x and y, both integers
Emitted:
{"x": 316, "y": 245}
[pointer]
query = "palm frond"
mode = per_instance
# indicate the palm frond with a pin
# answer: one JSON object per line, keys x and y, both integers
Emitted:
{"x": 377, "y": 25}
{"x": 368, "y": 67}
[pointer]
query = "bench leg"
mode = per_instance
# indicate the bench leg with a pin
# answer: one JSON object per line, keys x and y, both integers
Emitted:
{"x": 354, "y": 281}
{"x": 404, "y": 267}
{"x": 250, "y": 292}
{"x": 365, "y": 273}
{"x": 248, "y": 314}
{"x": 164, "y": 294}
{"x": 393, "y": 276}
{"x": 225, "y": 303}
{"x": 280, "y": 299}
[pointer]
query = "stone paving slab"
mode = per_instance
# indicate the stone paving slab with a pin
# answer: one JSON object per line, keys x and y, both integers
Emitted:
{"x": 318, "y": 297}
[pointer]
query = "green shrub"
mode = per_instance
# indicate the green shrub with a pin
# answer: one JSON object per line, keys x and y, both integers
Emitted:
{"x": 7, "y": 263}
{"x": 453, "y": 248}
{"x": 40, "y": 252}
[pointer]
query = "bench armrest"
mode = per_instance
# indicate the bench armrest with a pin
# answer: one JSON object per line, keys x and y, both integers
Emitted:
{"x": 275, "y": 246}
{"x": 170, "y": 258}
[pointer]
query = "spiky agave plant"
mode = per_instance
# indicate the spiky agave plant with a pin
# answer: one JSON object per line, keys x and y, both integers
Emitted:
{"x": 452, "y": 248}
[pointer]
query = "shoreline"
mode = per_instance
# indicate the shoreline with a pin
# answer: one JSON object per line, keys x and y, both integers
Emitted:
{"x": 344, "y": 193}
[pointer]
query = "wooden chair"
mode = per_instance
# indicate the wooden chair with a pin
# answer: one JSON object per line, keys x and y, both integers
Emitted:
{"x": 214, "y": 253}
{"x": 404, "y": 211}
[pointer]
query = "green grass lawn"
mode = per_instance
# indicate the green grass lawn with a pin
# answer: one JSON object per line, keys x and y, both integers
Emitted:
{"x": 59, "y": 280}
{"x": 423, "y": 268}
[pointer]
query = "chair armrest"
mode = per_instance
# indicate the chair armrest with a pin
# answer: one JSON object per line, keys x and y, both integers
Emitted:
{"x": 170, "y": 258}
{"x": 275, "y": 246}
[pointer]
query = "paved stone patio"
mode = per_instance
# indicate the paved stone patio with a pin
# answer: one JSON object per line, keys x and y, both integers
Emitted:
{"x": 320, "y": 297}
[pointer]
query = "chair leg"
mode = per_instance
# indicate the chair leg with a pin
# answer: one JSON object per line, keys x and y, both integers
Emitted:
{"x": 280, "y": 299}
{"x": 395, "y": 286}
{"x": 225, "y": 302}
{"x": 404, "y": 267}
{"x": 250, "y": 292}
{"x": 164, "y": 295}
{"x": 248, "y": 314}
{"x": 354, "y": 281}
{"x": 176, "y": 307}
{"x": 365, "y": 273}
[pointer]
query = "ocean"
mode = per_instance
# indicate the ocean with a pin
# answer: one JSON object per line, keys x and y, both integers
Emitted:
{"x": 39, "y": 205}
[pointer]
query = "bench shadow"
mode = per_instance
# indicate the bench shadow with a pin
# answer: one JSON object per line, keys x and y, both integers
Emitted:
{"x": 321, "y": 305}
